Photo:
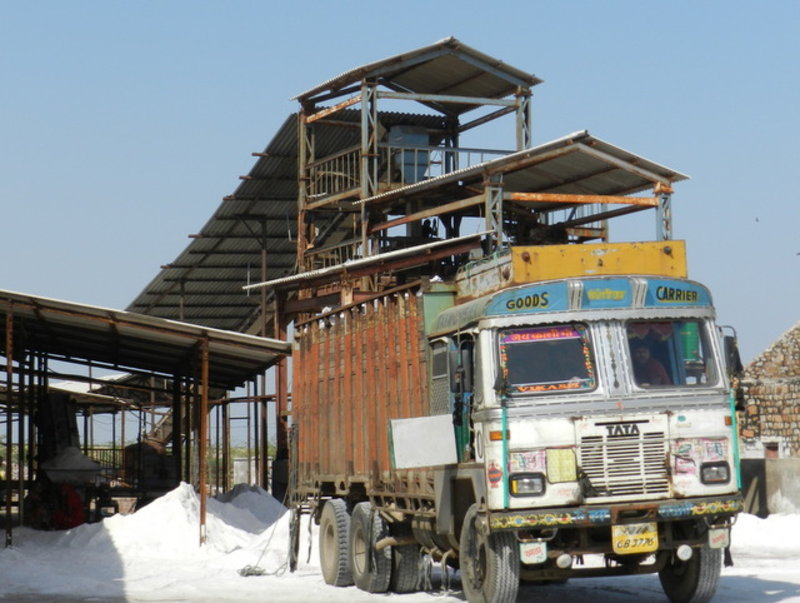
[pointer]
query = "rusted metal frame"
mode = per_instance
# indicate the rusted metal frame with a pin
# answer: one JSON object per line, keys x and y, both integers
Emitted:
{"x": 587, "y": 233}
{"x": 9, "y": 351}
{"x": 524, "y": 123}
{"x": 447, "y": 98}
{"x": 493, "y": 198}
{"x": 346, "y": 325}
{"x": 369, "y": 156}
{"x": 352, "y": 193}
{"x": 340, "y": 401}
{"x": 312, "y": 437}
{"x": 381, "y": 261}
{"x": 427, "y": 213}
{"x": 330, "y": 410}
{"x": 373, "y": 391}
{"x": 305, "y": 156}
{"x": 664, "y": 212}
{"x": 203, "y": 437}
{"x": 322, "y": 113}
{"x": 486, "y": 118}
{"x": 404, "y": 380}
{"x": 281, "y": 383}
{"x": 362, "y": 434}
{"x": 580, "y": 199}
{"x": 371, "y": 296}
{"x": 321, "y": 161}
{"x": 416, "y": 359}
{"x": 602, "y": 216}
{"x": 388, "y": 265}
{"x": 177, "y": 424}
{"x": 311, "y": 304}
{"x": 385, "y": 399}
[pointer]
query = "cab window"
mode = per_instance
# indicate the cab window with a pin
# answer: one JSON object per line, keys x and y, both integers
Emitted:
{"x": 549, "y": 359}
{"x": 672, "y": 353}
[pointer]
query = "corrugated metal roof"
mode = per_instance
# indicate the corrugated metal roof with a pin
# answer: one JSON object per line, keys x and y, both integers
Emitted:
{"x": 130, "y": 341}
{"x": 448, "y": 67}
{"x": 203, "y": 285}
{"x": 578, "y": 163}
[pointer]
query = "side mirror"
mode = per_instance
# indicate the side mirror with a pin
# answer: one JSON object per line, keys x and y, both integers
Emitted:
{"x": 460, "y": 370}
{"x": 733, "y": 362}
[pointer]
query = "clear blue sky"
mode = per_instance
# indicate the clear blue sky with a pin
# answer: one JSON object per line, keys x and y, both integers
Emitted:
{"x": 123, "y": 124}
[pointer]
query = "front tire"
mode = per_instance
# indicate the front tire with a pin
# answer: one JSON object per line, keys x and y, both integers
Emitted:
{"x": 334, "y": 537}
{"x": 372, "y": 569}
{"x": 489, "y": 563}
{"x": 692, "y": 581}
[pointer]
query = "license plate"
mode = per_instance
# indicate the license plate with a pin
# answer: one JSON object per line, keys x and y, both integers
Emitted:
{"x": 718, "y": 538}
{"x": 533, "y": 552}
{"x": 634, "y": 538}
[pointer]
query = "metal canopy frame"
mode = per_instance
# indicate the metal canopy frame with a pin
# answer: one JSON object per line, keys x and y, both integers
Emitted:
{"x": 196, "y": 359}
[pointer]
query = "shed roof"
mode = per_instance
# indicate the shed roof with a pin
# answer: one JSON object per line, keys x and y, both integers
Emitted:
{"x": 579, "y": 164}
{"x": 449, "y": 67}
{"x": 203, "y": 285}
{"x": 130, "y": 341}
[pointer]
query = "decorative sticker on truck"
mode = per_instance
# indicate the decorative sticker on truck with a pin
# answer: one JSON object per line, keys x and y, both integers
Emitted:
{"x": 608, "y": 293}
{"x": 540, "y": 298}
{"x": 661, "y": 292}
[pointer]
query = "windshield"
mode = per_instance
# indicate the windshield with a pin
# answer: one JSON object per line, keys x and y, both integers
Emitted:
{"x": 670, "y": 353}
{"x": 546, "y": 359}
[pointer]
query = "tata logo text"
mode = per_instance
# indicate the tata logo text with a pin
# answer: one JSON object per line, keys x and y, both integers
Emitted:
{"x": 616, "y": 430}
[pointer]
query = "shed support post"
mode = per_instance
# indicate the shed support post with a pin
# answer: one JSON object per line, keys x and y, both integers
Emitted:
{"x": 494, "y": 211}
{"x": 9, "y": 414}
{"x": 203, "y": 437}
{"x": 664, "y": 212}
{"x": 280, "y": 466}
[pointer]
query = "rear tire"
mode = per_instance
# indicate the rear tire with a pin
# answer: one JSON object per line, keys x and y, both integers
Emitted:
{"x": 405, "y": 567}
{"x": 695, "y": 580}
{"x": 372, "y": 569}
{"x": 489, "y": 563}
{"x": 334, "y": 531}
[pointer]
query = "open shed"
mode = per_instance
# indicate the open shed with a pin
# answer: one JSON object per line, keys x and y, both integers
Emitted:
{"x": 195, "y": 365}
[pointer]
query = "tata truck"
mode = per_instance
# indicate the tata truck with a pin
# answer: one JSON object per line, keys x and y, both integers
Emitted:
{"x": 552, "y": 412}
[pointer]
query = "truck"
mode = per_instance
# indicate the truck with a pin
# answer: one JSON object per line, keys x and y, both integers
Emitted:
{"x": 514, "y": 427}
{"x": 528, "y": 402}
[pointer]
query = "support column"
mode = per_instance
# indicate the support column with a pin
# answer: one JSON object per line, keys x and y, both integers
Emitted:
{"x": 664, "y": 212}
{"x": 369, "y": 156}
{"x": 280, "y": 467}
{"x": 524, "y": 119}
{"x": 202, "y": 445}
{"x": 9, "y": 415}
{"x": 493, "y": 190}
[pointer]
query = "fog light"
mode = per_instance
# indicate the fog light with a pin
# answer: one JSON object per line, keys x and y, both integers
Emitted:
{"x": 684, "y": 552}
{"x": 715, "y": 473}
{"x": 564, "y": 561}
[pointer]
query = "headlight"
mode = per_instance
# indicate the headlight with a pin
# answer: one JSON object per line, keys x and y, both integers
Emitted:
{"x": 527, "y": 484}
{"x": 715, "y": 473}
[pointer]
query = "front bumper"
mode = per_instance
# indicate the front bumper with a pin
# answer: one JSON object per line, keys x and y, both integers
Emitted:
{"x": 609, "y": 514}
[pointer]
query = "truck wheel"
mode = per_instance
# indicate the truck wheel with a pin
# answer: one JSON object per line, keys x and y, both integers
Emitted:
{"x": 334, "y": 531}
{"x": 405, "y": 569}
{"x": 692, "y": 581}
{"x": 489, "y": 563}
{"x": 371, "y": 569}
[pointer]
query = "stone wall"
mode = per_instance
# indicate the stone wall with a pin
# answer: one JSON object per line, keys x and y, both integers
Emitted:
{"x": 770, "y": 396}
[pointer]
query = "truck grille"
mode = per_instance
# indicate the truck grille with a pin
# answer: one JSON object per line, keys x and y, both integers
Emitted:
{"x": 624, "y": 465}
